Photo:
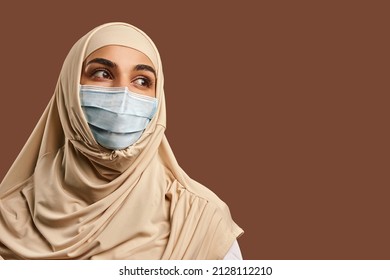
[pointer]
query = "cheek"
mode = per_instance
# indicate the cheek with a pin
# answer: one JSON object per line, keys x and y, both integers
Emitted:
{"x": 83, "y": 79}
{"x": 86, "y": 80}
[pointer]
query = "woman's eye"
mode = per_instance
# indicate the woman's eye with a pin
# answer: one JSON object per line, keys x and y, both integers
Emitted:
{"x": 102, "y": 74}
{"x": 143, "y": 82}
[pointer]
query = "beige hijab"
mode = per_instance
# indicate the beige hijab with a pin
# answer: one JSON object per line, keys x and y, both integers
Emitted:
{"x": 66, "y": 197}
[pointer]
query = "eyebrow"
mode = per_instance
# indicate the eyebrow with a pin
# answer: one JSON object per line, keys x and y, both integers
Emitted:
{"x": 140, "y": 67}
{"x": 103, "y": 61}
{"x": 109, "y": 63}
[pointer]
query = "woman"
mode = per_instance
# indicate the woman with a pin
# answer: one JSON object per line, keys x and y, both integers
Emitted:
{"x": 97, "y": 178}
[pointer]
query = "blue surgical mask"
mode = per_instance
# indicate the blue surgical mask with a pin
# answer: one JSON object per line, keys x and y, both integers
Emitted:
{"x": 116, "y": 116}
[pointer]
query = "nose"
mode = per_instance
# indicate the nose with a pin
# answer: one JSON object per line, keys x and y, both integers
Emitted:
{"x": 122, "y": 81}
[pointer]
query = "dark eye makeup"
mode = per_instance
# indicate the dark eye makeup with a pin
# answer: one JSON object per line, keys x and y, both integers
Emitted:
{"x": 101, "y": 74}
{"x": 141, "y": 80}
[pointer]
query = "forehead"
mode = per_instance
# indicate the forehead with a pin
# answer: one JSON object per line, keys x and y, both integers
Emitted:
{"x": 122, "y": 35}
{"x": 121, "y": 55}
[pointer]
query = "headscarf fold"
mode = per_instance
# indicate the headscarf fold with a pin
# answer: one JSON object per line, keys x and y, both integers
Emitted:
{"x": 66, "y": 197}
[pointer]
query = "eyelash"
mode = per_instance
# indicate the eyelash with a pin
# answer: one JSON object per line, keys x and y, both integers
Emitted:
{"x": 147, "y": 80}
{"x": 94, "y": 71}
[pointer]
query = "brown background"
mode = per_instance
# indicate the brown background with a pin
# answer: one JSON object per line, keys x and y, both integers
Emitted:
{"x": 280, "y": 107}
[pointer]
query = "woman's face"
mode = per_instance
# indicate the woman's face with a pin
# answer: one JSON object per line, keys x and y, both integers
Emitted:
{"x": 118, "y": 66}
